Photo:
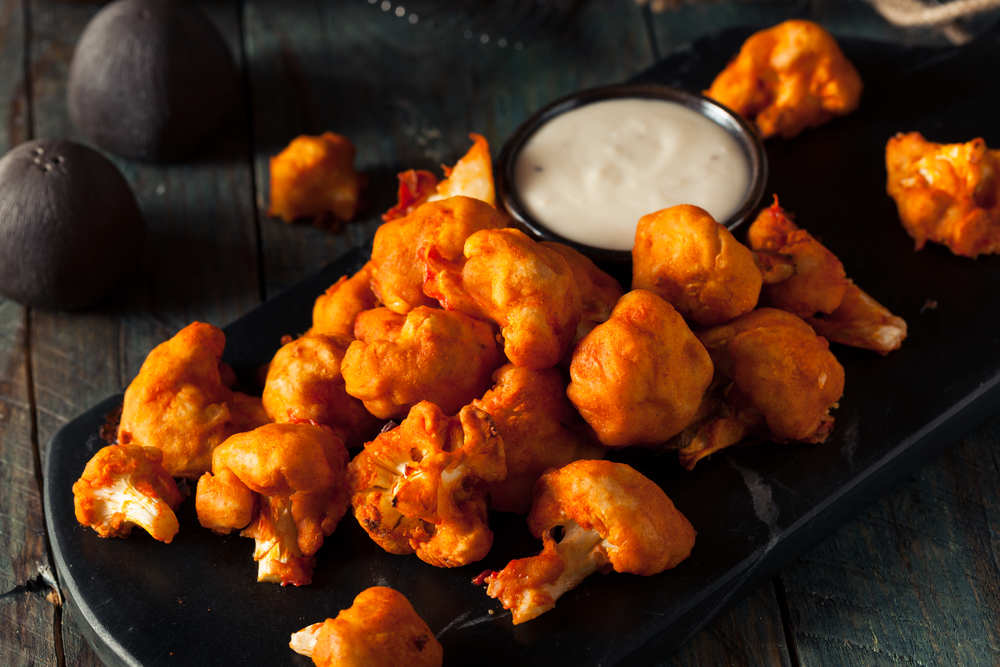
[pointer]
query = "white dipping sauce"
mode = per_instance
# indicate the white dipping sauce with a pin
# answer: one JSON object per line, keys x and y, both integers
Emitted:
{"x": 589, "y": 174}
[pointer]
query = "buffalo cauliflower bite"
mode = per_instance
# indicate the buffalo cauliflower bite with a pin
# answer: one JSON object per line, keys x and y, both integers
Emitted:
{"x": 788, "y": 78}
{"x": 124, "y": 486}
{"x": 684, "y": 256}
{"x": 782, "y": 383}
{"x": 304, "y": 383}
{"x": 804, "y": 278}
{"x": 946, "y": 193}
{"x": 639, "y": 378}
{"x": 540, "y": 429}
{"x": 472, "y": 176}
{"x": 398, "y": 270}
{"x": 314, "y": 176}
{"x": 287, "y": 481}
{"x": 610, "y": 517}
{"x": 526, "y": 288}
{"x": 421, "y": 487}
{"x": 428, "y": 354}
{"x": 335, "y": 310}
{"x": 179, "y": 404}
{"x": 381, "y": 629}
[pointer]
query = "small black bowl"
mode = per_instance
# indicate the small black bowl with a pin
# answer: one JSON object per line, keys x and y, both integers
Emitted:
{"x": 744, "y": 133}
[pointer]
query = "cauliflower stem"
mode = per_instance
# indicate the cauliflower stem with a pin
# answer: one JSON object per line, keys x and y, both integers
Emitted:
{"x": 122, "y": 504}
{"x": 530, "y": 586}
{"x": 279, "y": 559}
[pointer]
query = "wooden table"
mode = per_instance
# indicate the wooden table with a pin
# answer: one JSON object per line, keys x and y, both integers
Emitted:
{"x": 915, "y": 579}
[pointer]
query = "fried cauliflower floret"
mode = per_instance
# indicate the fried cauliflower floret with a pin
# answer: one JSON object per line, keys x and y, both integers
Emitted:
{"x": 335, "y": 310}
{"x": 789, "y": 78}
{"x": 639, "y": 378}
{"x": 472, "y": 175}
{"x": 814, "y": 280}
{"x": 286, "y": 485}
{"x": 421, "y": 487}
{"x": 804, "y": 278}
{"x": 381, "y": 629}
{"x": 314, "y": 176}
{"x": 540, "y": 429}
{"x": 304, "y": 383}
{"x": 179, "y": 404}
{"x": 398, "y": 269}
{"x": 946, "y": 193}
{"x": 610, "y": 516}
{"x": 784, "y": 382}
{"x": 684, "y": 256}
{"x": 599, "y": 292}
{"x": 526, "y": 288}
{"x": 428, "y": 354}
{"x": 124, "y": 486}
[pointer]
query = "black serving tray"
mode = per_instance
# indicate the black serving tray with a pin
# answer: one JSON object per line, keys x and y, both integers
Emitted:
{"x": 196, "y": 602}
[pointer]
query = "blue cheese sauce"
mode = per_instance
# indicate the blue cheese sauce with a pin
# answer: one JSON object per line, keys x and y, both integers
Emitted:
{"x": 589, "y": 174}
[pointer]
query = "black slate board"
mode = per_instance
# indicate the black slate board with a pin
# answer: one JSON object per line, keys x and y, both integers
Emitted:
{"x": 196, "y": 602}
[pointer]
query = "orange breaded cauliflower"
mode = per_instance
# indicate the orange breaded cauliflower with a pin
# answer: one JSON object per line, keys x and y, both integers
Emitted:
{"x": 428, "y": 354}
{"x": 304, "y": 383}
{"x": 782, "y": 383}
{"x": 946, "y": 193}
{"x": 472, "y": 176}
{"x": 124, "y": 486}
{"x": 788, "y": 78}
{"x": 684, "y": 256}
{"x": 335, "y": 310}
{"x": 287, "y": 481}
{"x": 421, "y": 487}
{"x": 540, "y": 429}
{"x": 398, "y": 269}
{"x": 314, "y": 176}
{"x": 503, "y": 276}
{"x": 804, "y": 278}
{"x": 381, "y": 629}
{"x": 639, "y": 378}
{"x": 610, "y": 516}
{"x": 179, "y": 404}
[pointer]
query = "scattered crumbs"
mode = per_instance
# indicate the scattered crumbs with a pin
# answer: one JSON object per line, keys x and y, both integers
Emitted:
{"x": 930, "y": 304}
{"x": 180, "y": 600}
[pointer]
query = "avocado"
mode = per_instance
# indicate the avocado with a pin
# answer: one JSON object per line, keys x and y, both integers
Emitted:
{"x": 151, "y": 80}
{"x": 70, "y": 228}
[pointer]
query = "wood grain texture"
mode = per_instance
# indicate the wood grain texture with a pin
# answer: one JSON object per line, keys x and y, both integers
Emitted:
{"x": 27, "y": 618}
{"x": 915, "y": 578}
{"x": 199, "y": 263}
{"x": 406, "y": 95}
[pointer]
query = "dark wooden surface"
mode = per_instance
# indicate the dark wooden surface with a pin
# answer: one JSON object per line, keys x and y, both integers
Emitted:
{"x": 913, "y": 580}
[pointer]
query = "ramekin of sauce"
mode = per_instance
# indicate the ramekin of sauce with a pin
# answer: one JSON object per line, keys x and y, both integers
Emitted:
{"x": 583, "y": 169}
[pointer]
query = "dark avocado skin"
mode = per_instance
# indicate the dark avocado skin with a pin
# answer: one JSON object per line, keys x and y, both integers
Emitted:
{"x": 151, "y": 80}
{"x": 70, "y": 228}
